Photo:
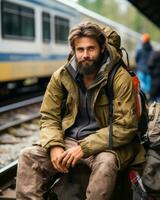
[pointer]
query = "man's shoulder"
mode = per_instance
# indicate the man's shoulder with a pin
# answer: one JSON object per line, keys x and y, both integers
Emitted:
{"x": 122, "y": 79}
{"x": 122, "y": 74}
{"x": 59, "y": 72}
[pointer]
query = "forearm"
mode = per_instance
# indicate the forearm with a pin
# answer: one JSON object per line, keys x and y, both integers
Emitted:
{"x": 99, "y": 141}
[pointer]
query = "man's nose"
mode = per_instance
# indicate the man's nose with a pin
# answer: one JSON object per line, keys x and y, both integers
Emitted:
{"x": 86, "y": 54}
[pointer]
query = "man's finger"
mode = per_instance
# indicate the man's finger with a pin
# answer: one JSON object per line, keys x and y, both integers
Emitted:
{"x": 61, "y": 157}
{"x": 65, "y": 159}
{"x": 61, "y": 167}
{"x": 58, "y": 167}
{"x": 69, "y": 161}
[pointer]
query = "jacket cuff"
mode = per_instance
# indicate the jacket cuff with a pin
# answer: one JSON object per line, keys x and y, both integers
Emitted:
{"x": 51, "y": 144}
{"x": 85, "y": 149}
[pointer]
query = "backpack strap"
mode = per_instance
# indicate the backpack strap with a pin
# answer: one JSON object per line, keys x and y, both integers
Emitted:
{"x": 110, "y": 94}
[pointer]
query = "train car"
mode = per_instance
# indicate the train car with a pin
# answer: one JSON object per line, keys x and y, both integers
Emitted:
{"x": 33, "y": 39}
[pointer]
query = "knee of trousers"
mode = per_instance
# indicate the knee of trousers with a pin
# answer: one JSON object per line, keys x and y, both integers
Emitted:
{"x": 26, "y": 152}
{"x": 31, "y": 153}
{"x": 107, "y": 162}
{"x": 35, "y": 157}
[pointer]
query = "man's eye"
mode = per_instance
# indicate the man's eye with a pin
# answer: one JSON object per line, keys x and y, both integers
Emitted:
{"x": 80, "y": 50}
{"x": 91, "y": 48}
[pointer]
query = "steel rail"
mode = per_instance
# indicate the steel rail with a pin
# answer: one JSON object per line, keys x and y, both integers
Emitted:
{"x": 19, "y": 121}
{"x": 21, "y": 104}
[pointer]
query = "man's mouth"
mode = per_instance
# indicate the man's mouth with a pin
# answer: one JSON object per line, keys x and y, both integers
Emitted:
{"x": 87, "y": 61}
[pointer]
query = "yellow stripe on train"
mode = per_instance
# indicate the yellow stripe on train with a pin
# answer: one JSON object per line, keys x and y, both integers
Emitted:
{"x": 25, "y": 69}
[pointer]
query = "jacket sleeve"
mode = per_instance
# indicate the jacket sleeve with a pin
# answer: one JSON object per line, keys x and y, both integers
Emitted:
{"x": 51, "y": 133}
{"x": 125, "y": 121}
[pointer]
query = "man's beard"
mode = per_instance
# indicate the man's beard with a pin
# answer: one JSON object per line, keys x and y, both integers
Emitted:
{"x": 89, "y": 66}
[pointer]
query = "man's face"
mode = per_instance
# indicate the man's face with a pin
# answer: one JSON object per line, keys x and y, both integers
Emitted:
{"x": 88, "y": 53}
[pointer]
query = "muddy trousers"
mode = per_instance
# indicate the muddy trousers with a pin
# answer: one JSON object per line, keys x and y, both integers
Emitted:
{"x": 35, "y": 170}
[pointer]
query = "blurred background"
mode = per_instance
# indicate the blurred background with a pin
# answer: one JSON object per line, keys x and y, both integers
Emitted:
{"x": 124, "y": 12}
{"x": 34, "y": 37}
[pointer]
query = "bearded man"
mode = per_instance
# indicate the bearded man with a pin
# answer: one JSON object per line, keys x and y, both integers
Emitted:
{"x": 82, "y": 132}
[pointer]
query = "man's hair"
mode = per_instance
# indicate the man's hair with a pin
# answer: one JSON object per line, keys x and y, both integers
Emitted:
{"x": 87, "y": 29}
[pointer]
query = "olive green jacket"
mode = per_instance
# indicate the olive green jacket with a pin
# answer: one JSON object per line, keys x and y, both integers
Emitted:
{"x": 125, "y": 122}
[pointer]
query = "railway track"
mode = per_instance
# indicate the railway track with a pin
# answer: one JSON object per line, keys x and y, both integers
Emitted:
{"x": 19, "y": 128}
{"x": 17, "y": 113}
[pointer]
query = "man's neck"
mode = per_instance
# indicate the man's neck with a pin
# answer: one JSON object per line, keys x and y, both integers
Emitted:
{"x": 89, "y": 79}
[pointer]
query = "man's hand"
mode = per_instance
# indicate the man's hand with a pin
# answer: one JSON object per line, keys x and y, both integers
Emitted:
{"x": 71, "y": 156}
{"x": 55, "y": 155}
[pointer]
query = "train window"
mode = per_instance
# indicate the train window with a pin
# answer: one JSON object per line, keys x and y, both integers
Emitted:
{"x": 17, "y": 21}
{"x": 46, "y": 27}
{"x": 61, "y": 29}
